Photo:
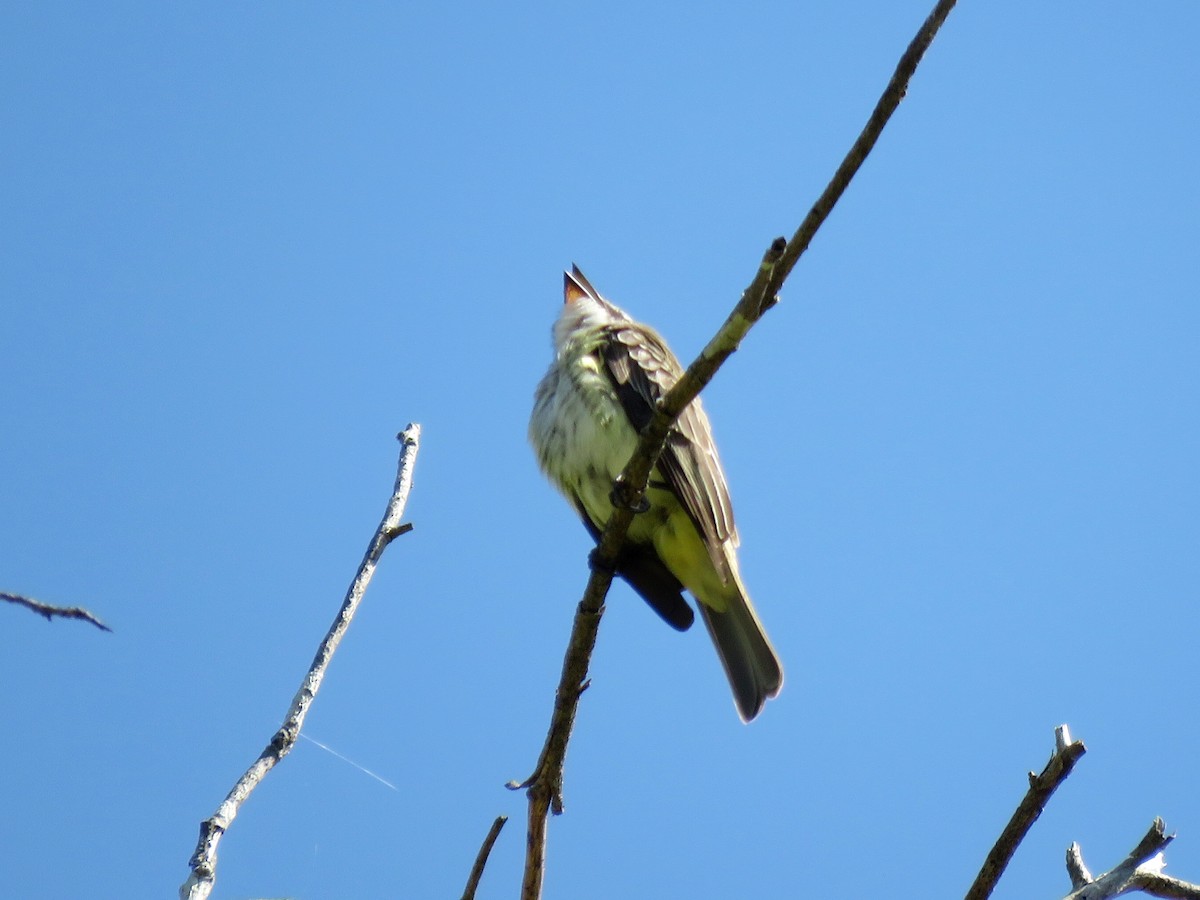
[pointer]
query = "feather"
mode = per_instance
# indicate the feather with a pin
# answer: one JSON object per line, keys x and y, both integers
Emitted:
{"x": 642, "y": 369}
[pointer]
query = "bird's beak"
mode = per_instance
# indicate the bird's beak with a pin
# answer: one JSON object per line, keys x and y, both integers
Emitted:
{"x": 576, "y": 287}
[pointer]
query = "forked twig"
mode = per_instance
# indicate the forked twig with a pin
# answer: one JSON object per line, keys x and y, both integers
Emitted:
{"x": 1140, "y": 871}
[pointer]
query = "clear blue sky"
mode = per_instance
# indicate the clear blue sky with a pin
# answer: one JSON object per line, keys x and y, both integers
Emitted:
{"x": 245, "y": 244}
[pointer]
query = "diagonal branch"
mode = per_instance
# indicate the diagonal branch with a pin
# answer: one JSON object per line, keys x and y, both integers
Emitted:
{"x": 50, "y": 612}
{"x": 482, "y": 857}
{"x": 204, "y": 860}
{"x": 545, "y": 784}
{"x": 1041, "y": 789}
{"x": 1158, "y": 885}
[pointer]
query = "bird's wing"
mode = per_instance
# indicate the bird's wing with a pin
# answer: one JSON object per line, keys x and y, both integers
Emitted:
{"x": 642, "y": 369}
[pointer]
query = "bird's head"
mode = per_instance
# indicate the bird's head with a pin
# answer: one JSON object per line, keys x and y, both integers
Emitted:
{"x": 583, "y": 309}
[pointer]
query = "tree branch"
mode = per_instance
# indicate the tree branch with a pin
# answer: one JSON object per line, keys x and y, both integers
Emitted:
{"x": 890, "y": 99}
{"x": 482, "y": 858}
{"x": 1141, "y": 871}
{"x": 50, "y": 612}
{"x": 203, "y": 863}
{"x": 1166, "y": 886}
{"x": 1041, "y": 789}
{"x": 545, "y": 784}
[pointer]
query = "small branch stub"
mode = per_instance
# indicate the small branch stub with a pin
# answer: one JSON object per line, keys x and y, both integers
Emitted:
{"x": 1062, "y": 738}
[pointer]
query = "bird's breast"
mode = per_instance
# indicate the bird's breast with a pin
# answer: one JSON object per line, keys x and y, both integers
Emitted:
{"x": 580, "y": 433}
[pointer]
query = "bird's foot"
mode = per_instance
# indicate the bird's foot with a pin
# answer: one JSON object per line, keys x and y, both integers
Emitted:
{"x": 621, "y": 496}
{"x": 596, "y": 564}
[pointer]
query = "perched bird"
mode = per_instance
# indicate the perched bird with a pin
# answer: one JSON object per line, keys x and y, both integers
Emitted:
{"x": 601, "y": 389}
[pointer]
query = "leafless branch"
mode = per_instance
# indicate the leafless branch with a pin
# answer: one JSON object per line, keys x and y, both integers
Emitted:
{"x": 1041, "y": 789}
{"x": 1140, "y": 871}
{"x": 204, "y": 860}
{"x": 52, "y": 612}
{"x": 545, "y": 784}
{"x": 1166, "y": 886}
{"x": 1077, "y": 871}
{"x": 482, "y": 858}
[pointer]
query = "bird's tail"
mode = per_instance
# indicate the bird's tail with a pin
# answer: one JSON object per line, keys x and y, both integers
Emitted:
{"x": 750, "y": 662}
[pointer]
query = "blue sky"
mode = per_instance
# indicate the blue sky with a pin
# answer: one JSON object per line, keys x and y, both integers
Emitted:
{"x": 245, "y": 244}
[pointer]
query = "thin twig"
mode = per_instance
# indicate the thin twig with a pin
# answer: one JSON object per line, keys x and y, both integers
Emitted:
{"x": 204, "y": 860}
{"x": 888, "y": 101}
{"x": 1140, "y": 871}
{"x": 545, "y": 784}
{"x": 1041, "y": 789}
{"x": 52, "y": 612}
{"x": 482, "y": 858}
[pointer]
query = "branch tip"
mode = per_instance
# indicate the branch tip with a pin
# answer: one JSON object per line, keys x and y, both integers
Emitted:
{"x": 482, "y": 858}
{"x": 1062, "y": 738}
{"x": 1077, "y": 871}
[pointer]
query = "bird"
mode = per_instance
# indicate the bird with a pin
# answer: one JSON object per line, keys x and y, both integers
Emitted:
{"x": 601, "y": 389}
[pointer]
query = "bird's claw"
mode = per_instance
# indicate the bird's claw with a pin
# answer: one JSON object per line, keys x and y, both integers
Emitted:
{"x": 618, "y": 497}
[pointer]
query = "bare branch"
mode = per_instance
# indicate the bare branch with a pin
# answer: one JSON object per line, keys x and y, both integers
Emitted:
{"x": 204, "y": 860}
{"x": 1140, "y": 871}
{"x": 51, "y": 612}
{"x": 545, "y": 784}
{"x": 887, "y": 104}
{"x": 482, "y": 858}
{"x": 1077, "y": 871}
{"x": 1166, "y": 886}
{"x": 1041, "y": 789}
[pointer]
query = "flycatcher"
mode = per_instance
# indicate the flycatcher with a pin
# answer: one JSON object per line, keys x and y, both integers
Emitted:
{"x": 601, "y": 389}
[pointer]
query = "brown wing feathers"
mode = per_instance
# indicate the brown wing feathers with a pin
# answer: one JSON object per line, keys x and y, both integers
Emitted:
{"x": 642, "y": 369}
